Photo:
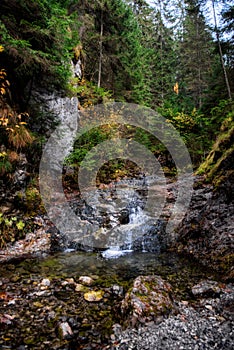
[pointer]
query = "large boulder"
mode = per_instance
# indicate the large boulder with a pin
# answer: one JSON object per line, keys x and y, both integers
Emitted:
{"x": 149, "y": 299}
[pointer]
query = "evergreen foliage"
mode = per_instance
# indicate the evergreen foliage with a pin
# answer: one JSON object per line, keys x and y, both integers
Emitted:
{"x": 38, "y": 37}
{"x": 164, "y": 56}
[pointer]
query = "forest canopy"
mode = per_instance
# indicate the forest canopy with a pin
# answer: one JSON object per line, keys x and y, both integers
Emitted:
{"x": 173, "y": 56}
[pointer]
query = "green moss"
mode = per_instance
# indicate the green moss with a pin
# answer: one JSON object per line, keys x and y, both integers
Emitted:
{"x": 108, "y": 324}
{"x": 29, "y": 341}
{"x": 214, "y": 166}
{"x": 33, "y": 201}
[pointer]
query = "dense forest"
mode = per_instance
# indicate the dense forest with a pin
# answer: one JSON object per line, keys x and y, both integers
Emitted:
{"x": 175, "y": 57}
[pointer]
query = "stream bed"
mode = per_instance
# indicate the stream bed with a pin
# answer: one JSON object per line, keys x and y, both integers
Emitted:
{"x": 130, "y": 294}
{"x": 43, "y": 303}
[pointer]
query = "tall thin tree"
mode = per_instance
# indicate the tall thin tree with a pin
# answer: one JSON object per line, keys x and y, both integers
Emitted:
{"x": 100, "y": 49}
{"x": 220, "y": 51}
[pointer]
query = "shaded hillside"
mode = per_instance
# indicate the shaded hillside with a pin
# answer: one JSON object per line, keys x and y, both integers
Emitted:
{"x": 207, "y": 232}
{"x": 218, "y": 166}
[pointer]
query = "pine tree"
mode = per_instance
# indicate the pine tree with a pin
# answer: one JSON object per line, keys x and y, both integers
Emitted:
{"x": 115, "y": 57}
{"x": 196, "y": 51}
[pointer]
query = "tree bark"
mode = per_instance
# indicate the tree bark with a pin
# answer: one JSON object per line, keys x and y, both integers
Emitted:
{"x": 100, "y": 52}
{"x": 221, "y": 53}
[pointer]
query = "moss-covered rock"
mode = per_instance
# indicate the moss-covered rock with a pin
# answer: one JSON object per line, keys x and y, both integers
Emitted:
{"x": 218, "y": 165}
{"x": 149, "y": 298}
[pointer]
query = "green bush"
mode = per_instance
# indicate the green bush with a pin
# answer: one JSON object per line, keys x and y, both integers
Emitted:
{"x": 11, "y": 228}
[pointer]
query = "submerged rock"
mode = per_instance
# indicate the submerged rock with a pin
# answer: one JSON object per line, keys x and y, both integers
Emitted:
{"x": 81, "y": 288}
{"x": 65, "y": 330}
{"x": 45, "y": 282}
{"x": 88, "y": 281}
{"x": 94, "y": 295}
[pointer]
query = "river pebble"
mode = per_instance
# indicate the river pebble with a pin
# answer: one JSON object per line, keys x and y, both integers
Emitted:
{"x": 86, "y": 280}
{"x": 65, "y": 330}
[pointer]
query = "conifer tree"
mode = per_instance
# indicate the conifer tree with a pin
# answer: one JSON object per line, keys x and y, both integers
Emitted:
{"x": 196, "y": 51}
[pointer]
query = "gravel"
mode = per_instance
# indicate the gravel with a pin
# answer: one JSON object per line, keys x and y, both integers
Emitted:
{"x": 190, "y": 329}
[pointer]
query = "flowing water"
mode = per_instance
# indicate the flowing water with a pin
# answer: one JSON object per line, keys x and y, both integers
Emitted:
{"x": 139, "y": 253}
{"x": 40, "y": 310}
{"x": 137, "y": 221}
{"x": 117, "y": 219}
{"x": 40, "y": 292}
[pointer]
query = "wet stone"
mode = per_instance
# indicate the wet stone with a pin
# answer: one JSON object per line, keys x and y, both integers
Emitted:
{"x": 65, "y": 330}
{"x": 45, "y": 282}
{"x": 206, "y": 288}
{"x": 94, "y": 296}
{"x": 149, "y": 298}
{"x": 88, "y": 281}
{"x": 81, "y": 288}
{"x": 118, "y": 290}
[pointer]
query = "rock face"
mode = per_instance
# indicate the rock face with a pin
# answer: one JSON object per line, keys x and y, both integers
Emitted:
{"x": 148, "y": 299}
{"x": 115, "y": 217}
{"x": 53, "y": 108}
{"x": 37, "y": 243}
{"x": 207, "y": 231}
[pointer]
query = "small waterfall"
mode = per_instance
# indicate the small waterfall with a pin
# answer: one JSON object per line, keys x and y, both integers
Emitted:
{"x": 137, "y": 216}
{"x": 137, "y": 223}
{"x": 121, "y": 225}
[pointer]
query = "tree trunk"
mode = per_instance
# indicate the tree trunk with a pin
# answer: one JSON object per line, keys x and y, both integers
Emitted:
{"x": 221, "y": 53}
{"x": 100, "y": 52}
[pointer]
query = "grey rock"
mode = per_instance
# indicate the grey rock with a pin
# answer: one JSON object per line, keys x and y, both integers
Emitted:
{"x": 149, "y": 298}
{"x": 206, "y": 288}
{"x": 187, "y": 330}
{"x": 65, "y": 330}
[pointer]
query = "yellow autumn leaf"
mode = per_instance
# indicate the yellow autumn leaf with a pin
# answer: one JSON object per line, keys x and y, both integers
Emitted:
{"x": 3, "y": 154}
{"x": 1, "y": 48}
{"x": 2, "y": 73}
{"x": 176, "y": 88}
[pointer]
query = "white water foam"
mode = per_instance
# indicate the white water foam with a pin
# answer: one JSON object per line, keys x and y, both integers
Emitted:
{"x": 114, "y": 253}
{"x": 136, "y": 217}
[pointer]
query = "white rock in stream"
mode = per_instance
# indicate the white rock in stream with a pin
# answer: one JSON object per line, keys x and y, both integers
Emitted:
{"x": 65, "y": 330}
{"x": 45, "y": 282}
{"x": 88, "y": 281}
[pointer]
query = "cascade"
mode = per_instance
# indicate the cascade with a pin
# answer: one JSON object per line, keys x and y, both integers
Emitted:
{"x": 137, "y": 222}
{"x": 114, "y": 230}
{"x": 107, "y": 216}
